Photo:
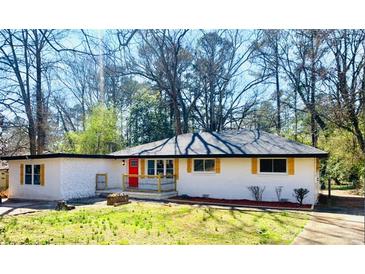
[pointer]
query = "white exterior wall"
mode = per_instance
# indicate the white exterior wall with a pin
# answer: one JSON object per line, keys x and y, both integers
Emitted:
{"x": 51, "y": 189}
{"x": 78, "y": 175}
{"x": 65, "y": 178}
{"x": 236, "y": 176}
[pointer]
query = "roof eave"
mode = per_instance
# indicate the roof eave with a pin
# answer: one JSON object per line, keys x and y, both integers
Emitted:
{"x": 58, "y": 155}
{"x": 298, "y": 155}
{"x": 101, "y": 156}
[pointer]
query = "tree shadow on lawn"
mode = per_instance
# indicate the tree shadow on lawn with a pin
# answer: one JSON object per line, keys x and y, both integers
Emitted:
{"x": 169, "y": 212}
{"x": 273, "y": 216}
{"x": 249, "y": 226}
{"x": 262, "y": 213}
{"x": 261, "y": 232}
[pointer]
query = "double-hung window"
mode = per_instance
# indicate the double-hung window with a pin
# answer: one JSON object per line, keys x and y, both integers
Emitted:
{"x": 28, "y": 174}
{"x": 204, "y": 165}
{"x": 32, "y": 174}
{"x": 169, "y": 170}
{"x": 273, "y": 165}
{"x": 160, "y": 167}
{"x": 151, "y": 167}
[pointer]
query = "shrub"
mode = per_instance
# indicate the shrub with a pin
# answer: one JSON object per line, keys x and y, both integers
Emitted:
{"x": 278, "y": 191}
{"x": 256, "y": 192}
{"x": 300, "y": 194}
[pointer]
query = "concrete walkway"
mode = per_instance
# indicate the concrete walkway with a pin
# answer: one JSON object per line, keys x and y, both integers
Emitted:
{"x": 23, "y": 207}
{"x": 339, "y": 220}
{"x": 332, "y": 229}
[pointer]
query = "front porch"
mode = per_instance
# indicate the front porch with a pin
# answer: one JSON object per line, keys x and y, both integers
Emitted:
{"x": 154, "y": 187}
{"x": 149, "y": 195}
{"x": 149, "y": 183}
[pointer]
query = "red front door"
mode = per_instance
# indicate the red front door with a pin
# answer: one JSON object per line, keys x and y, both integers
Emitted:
{"x": 133, "y": 170}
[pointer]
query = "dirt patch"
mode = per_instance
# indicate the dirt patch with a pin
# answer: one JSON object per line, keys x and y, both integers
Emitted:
{"x": 240, "y": 202}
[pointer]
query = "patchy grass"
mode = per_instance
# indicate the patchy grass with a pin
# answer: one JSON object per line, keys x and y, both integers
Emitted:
{"x": 152, "y": 223}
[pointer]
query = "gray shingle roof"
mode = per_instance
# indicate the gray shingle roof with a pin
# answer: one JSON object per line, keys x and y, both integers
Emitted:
{"x": 230, "y": 143}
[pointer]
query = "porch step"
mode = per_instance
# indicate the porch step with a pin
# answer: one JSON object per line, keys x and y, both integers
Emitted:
{"x": 138, "y": 195}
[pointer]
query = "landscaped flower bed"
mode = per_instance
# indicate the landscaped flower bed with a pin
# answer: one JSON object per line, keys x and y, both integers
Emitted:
{"x": 240, "y": 202}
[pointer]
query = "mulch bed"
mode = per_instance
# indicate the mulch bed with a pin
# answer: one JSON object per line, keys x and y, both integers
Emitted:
{"x": 243, "y": 202}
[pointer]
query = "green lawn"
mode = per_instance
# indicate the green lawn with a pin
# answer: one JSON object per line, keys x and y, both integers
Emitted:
{"x": 151, "y": 223}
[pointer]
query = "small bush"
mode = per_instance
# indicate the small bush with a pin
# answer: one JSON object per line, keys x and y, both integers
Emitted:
{"x": 278, "y": 191}
{"x": 300, "y": 194}
{"x": 257, "y": 192}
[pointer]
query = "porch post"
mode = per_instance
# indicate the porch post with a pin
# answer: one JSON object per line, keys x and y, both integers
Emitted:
{"x": 175, "y": 182}
{"x": 159, "y": 182}
{"x": 123, "y": 182}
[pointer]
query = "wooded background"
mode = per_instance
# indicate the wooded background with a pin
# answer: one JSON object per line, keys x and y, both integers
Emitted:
{"x": 89, "y": 91}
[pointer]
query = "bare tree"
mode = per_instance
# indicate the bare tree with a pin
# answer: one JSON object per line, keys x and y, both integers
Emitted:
{"x": 18, "y": 62}
{"x": 346, "y": 81}
{"x": 164, "y": 59}
{"x": 268, "y": 55}
{"x": 23, "y": 64}
{"x": 222, "y": 58}
{"x": 302, "y": 62}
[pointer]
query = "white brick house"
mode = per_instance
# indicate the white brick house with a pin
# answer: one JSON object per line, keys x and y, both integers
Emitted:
{"x": 215, "y": 165}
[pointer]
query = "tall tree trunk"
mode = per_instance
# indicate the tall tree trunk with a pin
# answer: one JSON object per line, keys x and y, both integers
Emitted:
{"x": 177, "y": 114}
{"x": 277, "y": 82}
{"x": 362, "y": 93}
{"x": 358, "y": 133}
{"x": 24, "y": 89}
{"x": 296, "y": 110}
{"x": 314, "y": 132}
{"x": 40, "y": 113}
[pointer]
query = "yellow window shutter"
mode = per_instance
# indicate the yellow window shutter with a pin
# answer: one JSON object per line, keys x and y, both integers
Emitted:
{"x": 21, "y": 174}
{"x": 7, "y": 179}
{"x": 189, "y": 163}
{"x": 254, "y": 165}
{"x": 217, "y": 165}
{"x": 42, "y": 181}
{"x": 318, "y": 165}
{"x": 142, "y": 161}
{"x": 291, "y": 166}
{"x": 176, "y": 169}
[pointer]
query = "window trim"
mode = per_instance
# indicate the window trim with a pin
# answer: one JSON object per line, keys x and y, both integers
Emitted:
{"x": 273, "y": 172}
{"x": 32, "y": 174}
{"x": 204, "y": 171}
{"x": 164, "y": 166}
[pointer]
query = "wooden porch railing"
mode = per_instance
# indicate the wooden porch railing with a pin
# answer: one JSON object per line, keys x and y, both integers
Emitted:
{"x": 158, "y": 177}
